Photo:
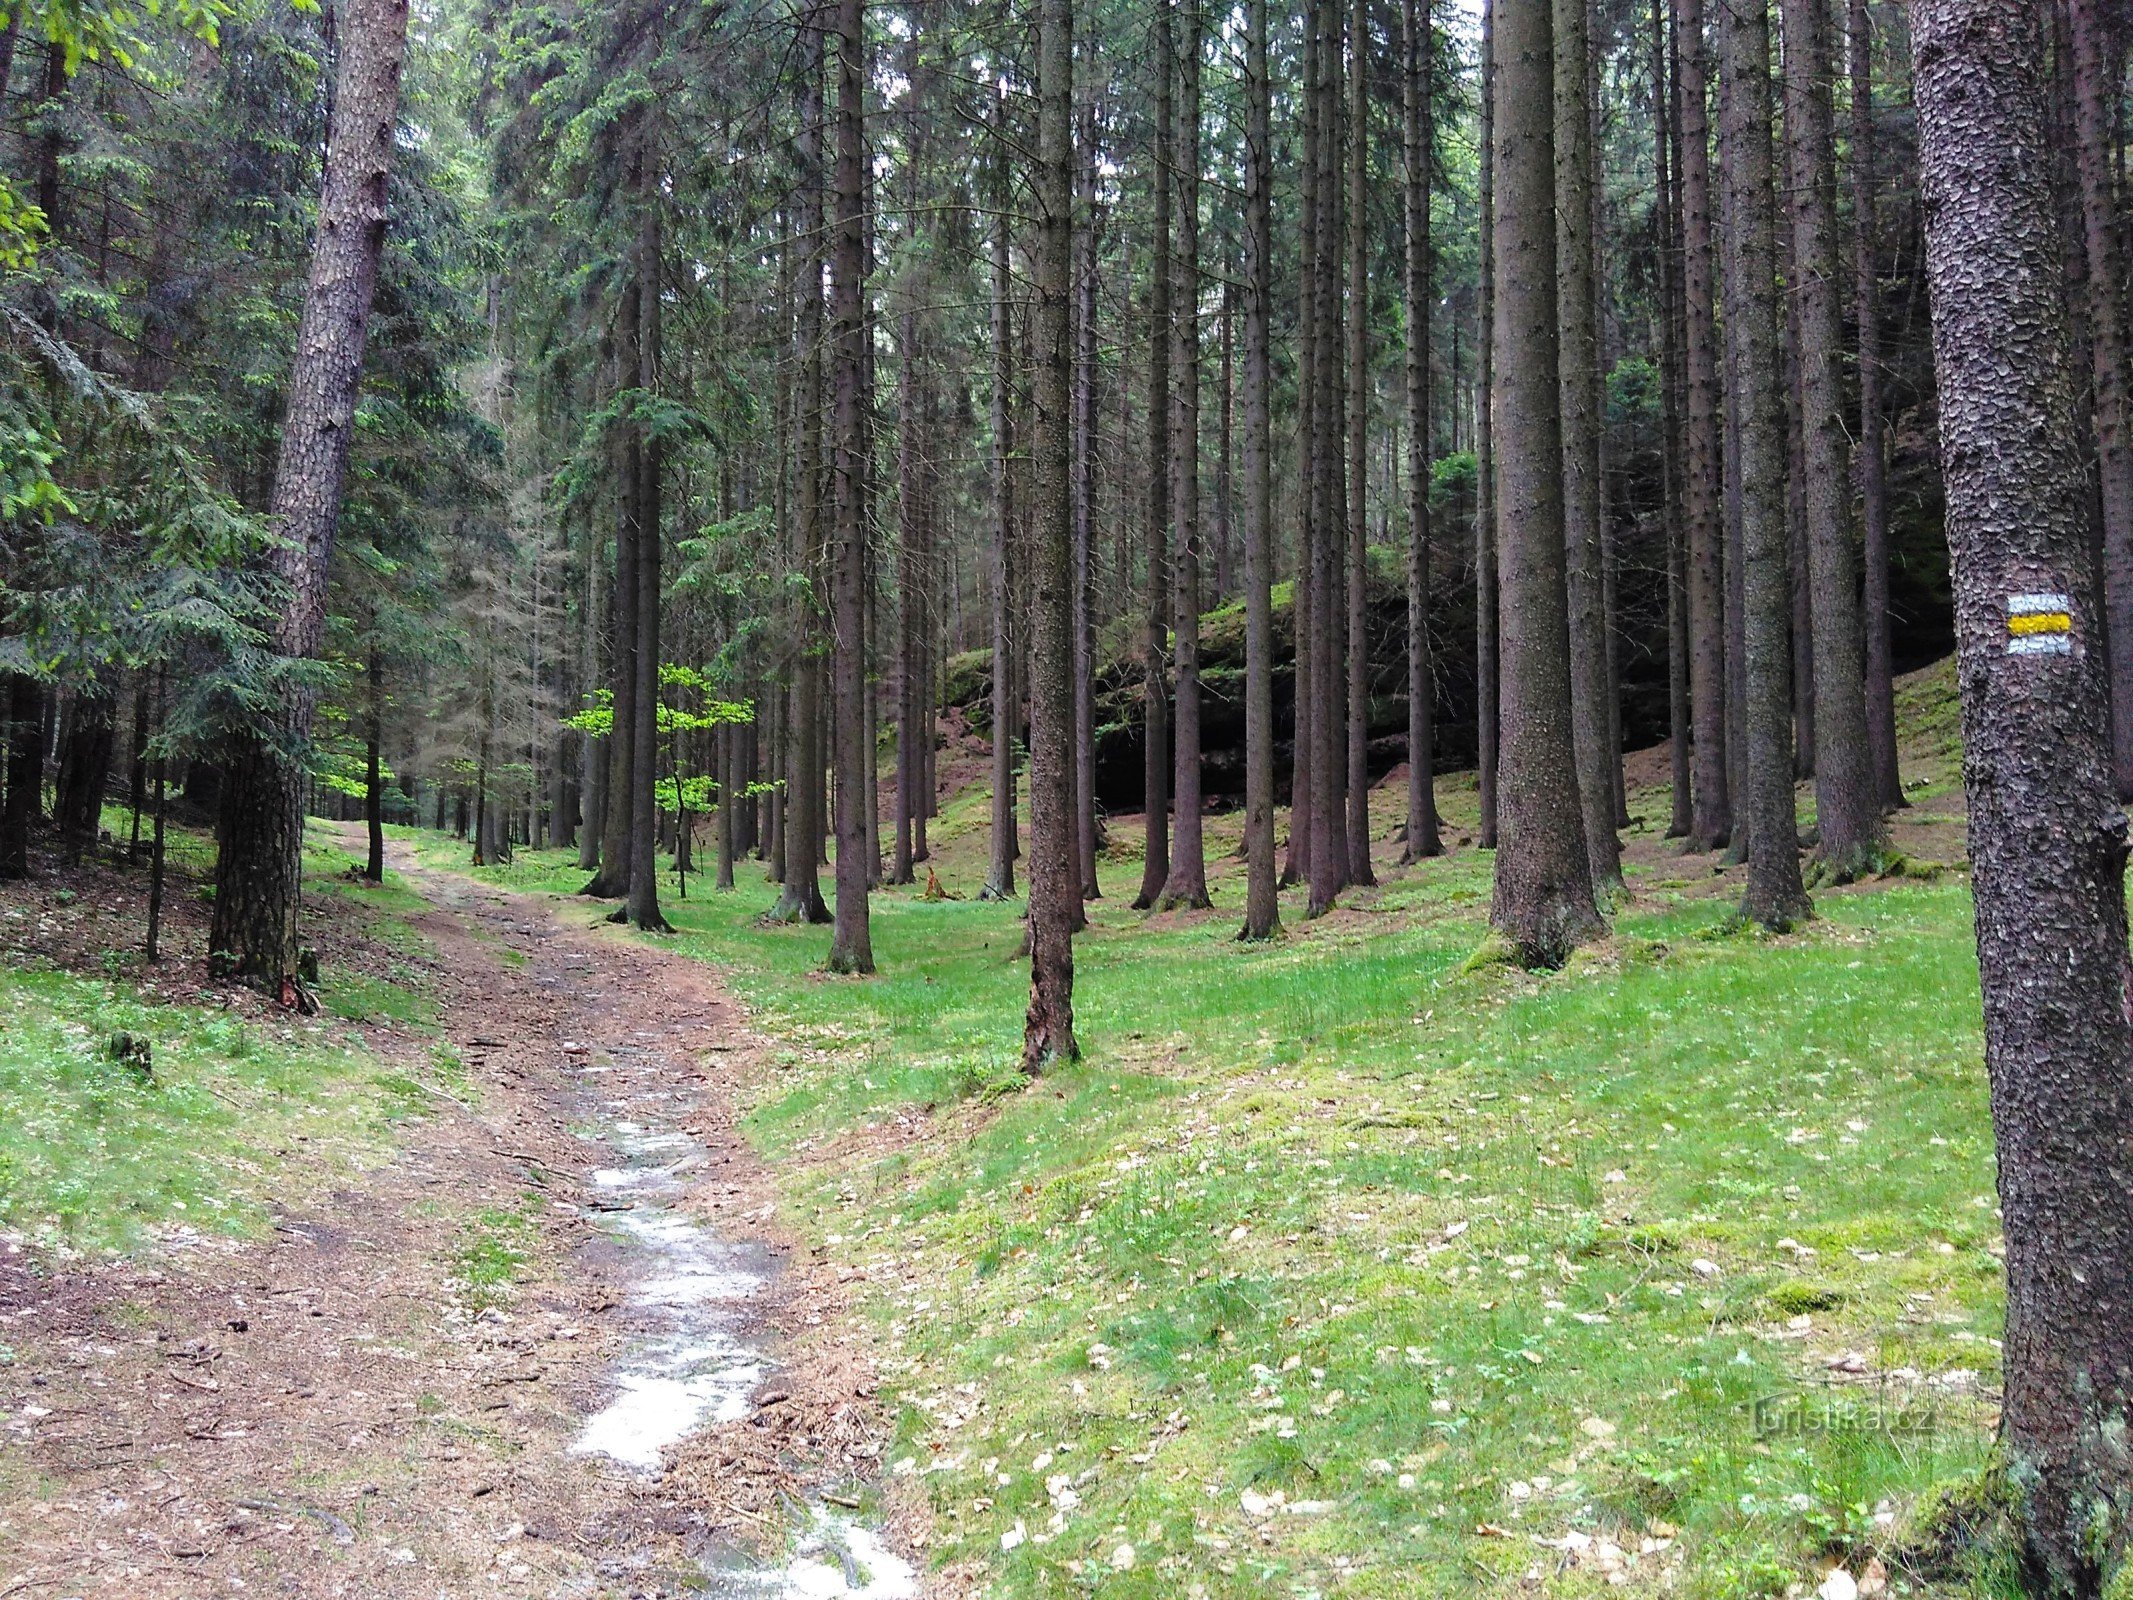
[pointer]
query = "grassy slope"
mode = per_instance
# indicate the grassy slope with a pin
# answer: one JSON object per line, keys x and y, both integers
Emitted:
{"x": 239, "y": 1114}
{"x": 1331, "y": 1267}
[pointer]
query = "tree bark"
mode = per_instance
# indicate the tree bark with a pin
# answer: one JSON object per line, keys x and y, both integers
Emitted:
{"x": 1090, "y": 839}
{"x": 1185, "y": 887}
{"x": 25, "y": 774}
{"x": 1488, "y": 675}
{"x": 1775, "y": 897}
{"x": 152, "y": 947}
{"x": 1583, "y": 496}
{"x": 617, "y": 834}
{"x": 1000, "y": 871}
{"x": 1543, "y": 905}
{"x": 592, "y": 753}
{"x": 1419, "y": 35}
{"x": 2048, "y": 844}
{"x": 1303, "y": 602}
{"x": 1262, "y": 906}
{"x": 1055, "y": 886}
{"x": 800, "y": 896}
{"x": 373, "y": 775}
{"x": 1873, "y": 427}
{"x": 1357, "y": 709}
{"x": 1703, "y": 530}
{"x": 1155, "y": 643}
{"x": 1803, "y": 638}
{"x": 89, "y": 732}
{"x": 910, "y": 517}
{"x": 851, "y": 939}
{"x": 1666, "y": 149}
{"x": 642, "y": 909}
{"x": 1851, "y": 839}
{"x": 1329, "y": 740}
{"x": 2098, "y": 81}
{"x": 1225, "y": 450}
{"x": 259, "y": 862}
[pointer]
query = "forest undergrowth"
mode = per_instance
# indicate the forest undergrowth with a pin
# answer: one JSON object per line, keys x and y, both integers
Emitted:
{"x": 132, "y": 1104}
{"x": 1333, "y": 1267}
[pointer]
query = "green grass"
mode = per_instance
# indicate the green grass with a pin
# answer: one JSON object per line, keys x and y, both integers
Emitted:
{"x": 1248, "y": 1205}
{"x": 1456, "y": 1262}
{"x": 234, "y": 1118}
{"x": 495, "y": 1245}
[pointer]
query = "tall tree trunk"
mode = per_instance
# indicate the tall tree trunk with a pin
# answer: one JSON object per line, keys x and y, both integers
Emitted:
{"x": 1703, "y": 530}
{"x": 1155, "y": 643}
{"x": 1089, "y": 838}
{"x": 806, "y": 810}
{"x": 1666, "y": 148}
{"x": 89, "y": 732}
{"x": 2048, "y": 845}
{"x": 851, "y": 940}
{"x": 642, "y": 909}
{"x": 373, "y": 774}
{"x": 1583, "y": 497}
{"x": 1735, "y": 569}
{"x": 1803, "y": 638}
{"x": 1873, "y": 427}
{"x": 771, "y": 771}
{"x": 1610, "y": 607}
{"x": 259, "y": 863}
{"x": 152, "y": 947}
{"x": 1225, "y": 449}
{"x": 1000, "y": 873}
{"x": 1488, "y": 675}
{"x": 1851, "y": 837}
{"x": 910, "y": 517}
{"x": 1262, "y": 907}
{"x": 592, "y": 753}
{"x": 1329, "y": 737}
{"x": 1543, "y": 905}
{"x": 484, "y": 820}
{"x": 1186, "y": 885}
{"x": 2098, "y": 83}
{"x": 1303, "y": 602}
{"x": 1418, "y": 32}
{"x": 617, "y": 835}
{"x": 25, "y": 773}
{"x": 1775, "y": 897}
{"x": 724, "y": 762}
{"x": 1054, "y": 881}
{"x": 929, "y": 634}
{"x": 1357, "y": 716}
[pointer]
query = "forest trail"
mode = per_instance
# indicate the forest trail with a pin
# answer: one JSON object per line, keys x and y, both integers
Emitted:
{"x": 516, "y": 1360}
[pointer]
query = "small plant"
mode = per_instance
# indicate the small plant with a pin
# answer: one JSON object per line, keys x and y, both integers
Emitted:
{"x": 497, "y": 1245}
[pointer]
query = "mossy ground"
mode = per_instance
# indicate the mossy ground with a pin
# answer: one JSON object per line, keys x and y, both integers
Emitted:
{"x": 1335, "y": 1268}
{"x": 241, "y": 1108}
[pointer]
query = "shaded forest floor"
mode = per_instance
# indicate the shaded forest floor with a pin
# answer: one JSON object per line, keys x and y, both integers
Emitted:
{"x": 1332, "y": 1269}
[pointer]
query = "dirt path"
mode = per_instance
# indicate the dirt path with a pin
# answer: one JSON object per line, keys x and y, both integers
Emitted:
{"x": 335, "y": 1412}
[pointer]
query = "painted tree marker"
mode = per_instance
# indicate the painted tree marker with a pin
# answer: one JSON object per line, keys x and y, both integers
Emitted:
{"x": 2039, "y": 625}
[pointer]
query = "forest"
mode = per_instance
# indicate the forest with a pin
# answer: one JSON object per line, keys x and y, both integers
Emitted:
{"x": 1042, "y": 797}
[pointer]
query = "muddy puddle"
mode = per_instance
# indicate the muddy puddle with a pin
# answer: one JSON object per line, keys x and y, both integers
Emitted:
{"x": 693, "y": 1358}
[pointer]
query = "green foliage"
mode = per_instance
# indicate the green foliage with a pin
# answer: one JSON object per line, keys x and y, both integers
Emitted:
{"x": 100, "y": 30}
{"x": 22, "y": 228}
